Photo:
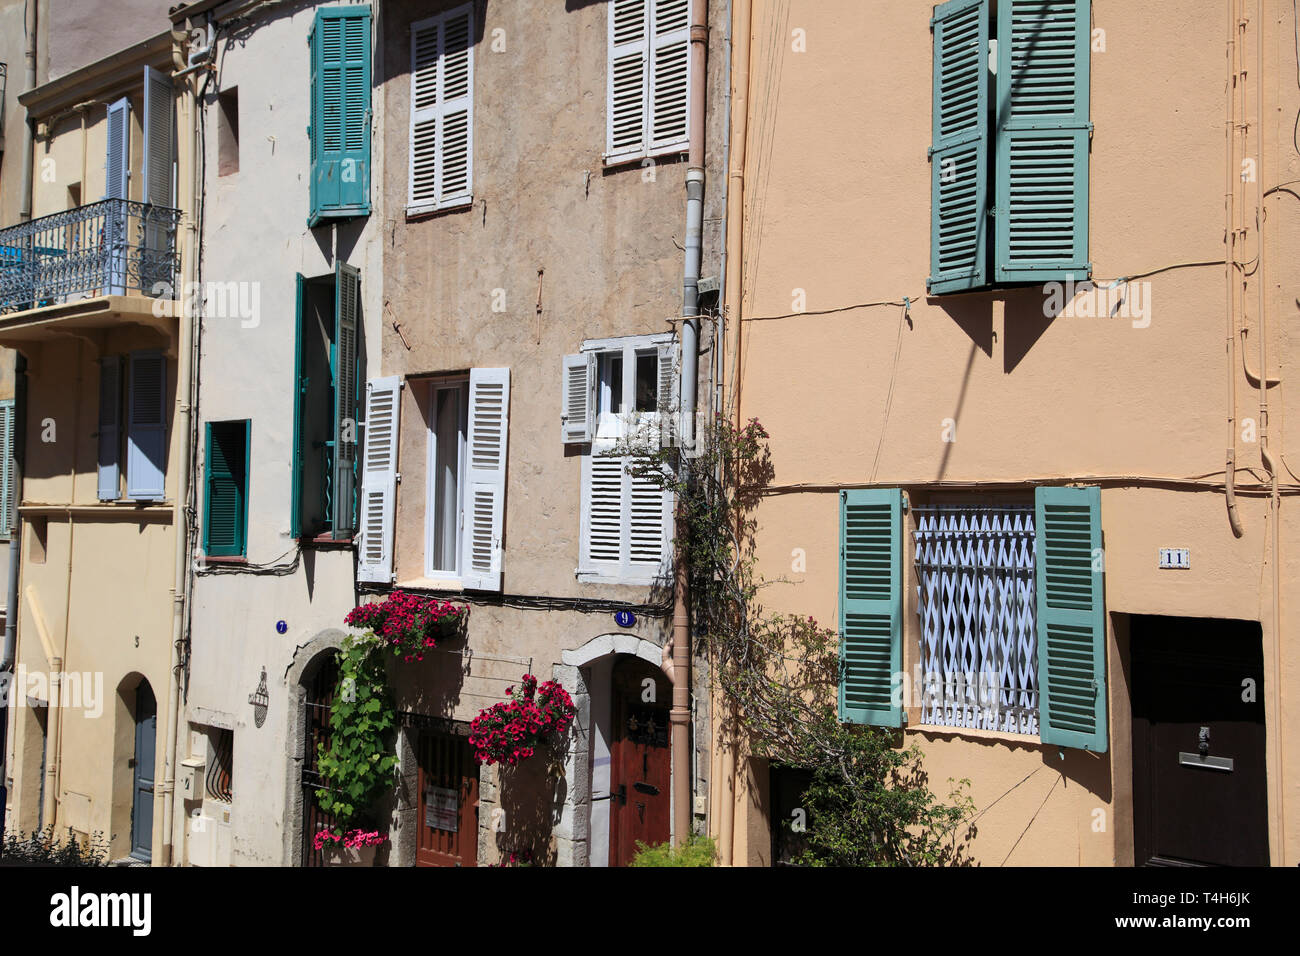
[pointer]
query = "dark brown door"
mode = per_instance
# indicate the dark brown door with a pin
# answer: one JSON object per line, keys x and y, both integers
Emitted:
{"x": 1199, "y": 787}
{"x": 448, "y": 804}
{"x": 320, "y": 694}
{"x": 639, "y": 759}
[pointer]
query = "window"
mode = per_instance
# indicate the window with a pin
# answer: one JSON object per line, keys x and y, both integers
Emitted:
{"x": 218, "y": 782}
{"x": 340, "y": 113}
{"x": 228, "y": 132}
{"x": 448, "y": 426}
{"x": 616, "y": 396}
{"x": 146, "y": 426}
{"x": 1009, "y": 150}
{"x": 975, "y": 600}
{"x": 225, "y": 514}
{"x": 468, "y": 424}
{"x": 442, "y": 112}
{"x": 325, "y": 410}
{"x": 648, "y": 79}
{"x": 980, "y": 614}
{"x": 8, "y": 494}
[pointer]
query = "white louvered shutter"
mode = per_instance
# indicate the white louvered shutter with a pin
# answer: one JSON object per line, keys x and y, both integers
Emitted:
{"x": 578, "y": 404}
{"x": 379, "y": 480}
{"x": 605, "y": 537}
{"x": 485, "y": 481}
{"x": 670, "y": 74}
{"x": 146, "y": 432}
{"x": 627, "y": 78}
{"x": 442, "y": 111}
{"x": 110, "y": 426}
{"x": 648, "y": 522}
{"x": 669, "y": 402}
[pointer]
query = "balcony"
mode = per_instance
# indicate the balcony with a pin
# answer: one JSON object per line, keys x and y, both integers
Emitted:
{"x": 114, "y": 247}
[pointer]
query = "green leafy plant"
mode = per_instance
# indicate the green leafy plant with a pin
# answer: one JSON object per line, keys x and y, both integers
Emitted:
{"x": 357, "y": 766}
{"x": 697, "y": 851}
{"x": 869, "y": 802}
{"x": 43, "y": 848}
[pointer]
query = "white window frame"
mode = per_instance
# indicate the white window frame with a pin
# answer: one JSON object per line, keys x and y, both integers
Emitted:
{"x": 431, "y": 507}
{"x": 623, "y": 573}
{"x": 440, "y": 21}
{"x": 648, "y": 147}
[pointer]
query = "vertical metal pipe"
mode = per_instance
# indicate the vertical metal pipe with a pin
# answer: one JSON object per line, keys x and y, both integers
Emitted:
{"x": 1230, "y": 278}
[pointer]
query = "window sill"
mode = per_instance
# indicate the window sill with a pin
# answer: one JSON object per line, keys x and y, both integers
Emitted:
{"x": 615, "y": 160}
{"x": 430, "y": 209}
{"x": 972, "y": 733}
{"x": 225, "y": 559}
{"x": 432, "y": 584}
{"x": 324, "y": 541}
{"x": 630, "y": 580}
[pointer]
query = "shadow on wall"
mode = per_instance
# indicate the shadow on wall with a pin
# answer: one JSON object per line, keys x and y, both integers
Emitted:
{"x": 532, "y": 798}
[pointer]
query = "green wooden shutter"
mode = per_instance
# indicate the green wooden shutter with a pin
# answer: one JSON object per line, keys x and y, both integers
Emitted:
{"x": 299, "y": 391}
{"x": 225, "y": 521}
{"x": 340, "y": 113}
{"x": 1041, "y": 214}
{"x": 871, "y": 605}
{"x": 347, "y": 306}
{"x": 1071, "y": 618}
{"x": 959, "y": 174}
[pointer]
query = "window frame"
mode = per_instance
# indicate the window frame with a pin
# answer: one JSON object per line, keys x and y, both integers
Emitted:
{"x": 589, "y": 571}
{"x": 460, "y": 383}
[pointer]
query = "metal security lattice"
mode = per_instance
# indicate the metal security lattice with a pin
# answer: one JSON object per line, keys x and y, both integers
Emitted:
{"x": 975, "y": 598}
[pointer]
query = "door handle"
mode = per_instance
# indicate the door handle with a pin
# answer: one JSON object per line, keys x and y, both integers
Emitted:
{"x": 620, "y": 795}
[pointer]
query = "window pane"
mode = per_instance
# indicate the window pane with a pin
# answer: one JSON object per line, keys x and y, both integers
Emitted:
{"x": 611, "y": 384}
{"x": 448, "y": 437}
{"x": 647, "y": 381}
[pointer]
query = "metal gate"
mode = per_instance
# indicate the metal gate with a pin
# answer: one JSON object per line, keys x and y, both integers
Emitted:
{"x": 320, "y": 695}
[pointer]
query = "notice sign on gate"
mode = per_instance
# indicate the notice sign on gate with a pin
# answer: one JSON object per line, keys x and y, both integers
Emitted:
{"x": 441, "y": 808}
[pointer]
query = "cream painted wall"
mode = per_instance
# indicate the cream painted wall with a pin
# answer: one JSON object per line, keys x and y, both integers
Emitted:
{"x": 838, "y": 205}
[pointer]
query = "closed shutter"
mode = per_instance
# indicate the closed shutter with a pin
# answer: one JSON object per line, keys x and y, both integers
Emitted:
{"x": 226, "y": 514}
{"x": 159, "y": 155}
{"x": 347, "y": 305}
{"x": 340, "y": 126}
{"x": 1042, "y": 141}
{"x": 627, "y": 521}
{"x": 648, "y": 523}
{"x": 1071, "y": 618}
{"x": 578, "y": 401}
{"x": 146, "y": 434}
{"x": 379, "y": 480}
{"x": 110, "y": 426}
{"x": 6, "y": 467}
{"x": 485, "y": 481}
{"x": 871, "y": 605}
{"x": 442, "y": 111}
{"x": 959, "y": 176}
{"x": 606, "y": 534}
{"x": 627, "y": 78}
{"x": 670, "y": 74}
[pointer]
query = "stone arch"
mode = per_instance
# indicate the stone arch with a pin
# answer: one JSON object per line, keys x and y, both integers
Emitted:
{"x": 607, "y": 644}
{"x": 306, "y": 658}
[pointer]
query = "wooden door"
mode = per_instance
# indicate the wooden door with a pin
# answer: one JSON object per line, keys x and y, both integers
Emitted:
{"x": 640, "y": 765}
{"x": 1199, "y": 787}
{"x": 146, "y": 733}
{"x": 447, "y": 820}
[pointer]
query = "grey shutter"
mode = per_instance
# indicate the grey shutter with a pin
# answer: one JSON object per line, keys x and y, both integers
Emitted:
{"x": 156, "y": 189}
{"x": 146, "y": 436}
{"x": 110, "y": 426}
{"x": 117, "y": 172}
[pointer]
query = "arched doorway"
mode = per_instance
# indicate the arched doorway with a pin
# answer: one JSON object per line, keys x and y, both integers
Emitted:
{"x": 640, "y": 784}
{"x": 318, "y": 684}
{"x": 142, "y": 763}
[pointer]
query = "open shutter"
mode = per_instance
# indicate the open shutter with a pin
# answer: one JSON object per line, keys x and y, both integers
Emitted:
{"x": 156, "y": 189}
{"x": 627, "y": 78}
{"x": 578, "y": 410}
{"x": 1071, "y": 618}
{"x": 670, "y": 69}
{"x": 379, "y": 480}
{"x": 1042, "y": 141}
{"x": 871, "y": 605}
{"x": 146, "y": 434}
{"x": 959, "y": 178}
{"x": 347, "y": 304}
{"x": 485, "y": 484}
{"x": 110, "y": 426}
{"x": 6, "y": 467}
{"x": 340, "y": 130}
{"x": 226, "y": 483}
{"x": 117, "y": 172}
{"x": 668, "y": 401}
{"x": 299, "y": 390}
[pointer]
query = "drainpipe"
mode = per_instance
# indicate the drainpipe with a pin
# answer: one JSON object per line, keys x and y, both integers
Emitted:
{"x": 186, "y": 189}
{"x": 723, "y": 790}
{"x": 679, "y": 717}
{"x": 1230, "y": 279}
{"x": 1265, "y": 453}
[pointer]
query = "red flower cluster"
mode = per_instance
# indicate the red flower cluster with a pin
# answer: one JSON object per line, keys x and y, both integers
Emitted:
{"x": 512, "y": 730}
{"x": 407, "y": 622}
{"x": 353, "y": 838}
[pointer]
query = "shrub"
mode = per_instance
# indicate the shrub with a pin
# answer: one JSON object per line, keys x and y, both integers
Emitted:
{"x": 698, "y": 851}
{"x": 42, "y": 848}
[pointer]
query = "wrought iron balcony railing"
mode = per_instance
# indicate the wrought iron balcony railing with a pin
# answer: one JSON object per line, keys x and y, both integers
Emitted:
{"x": 111, "y": 247}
